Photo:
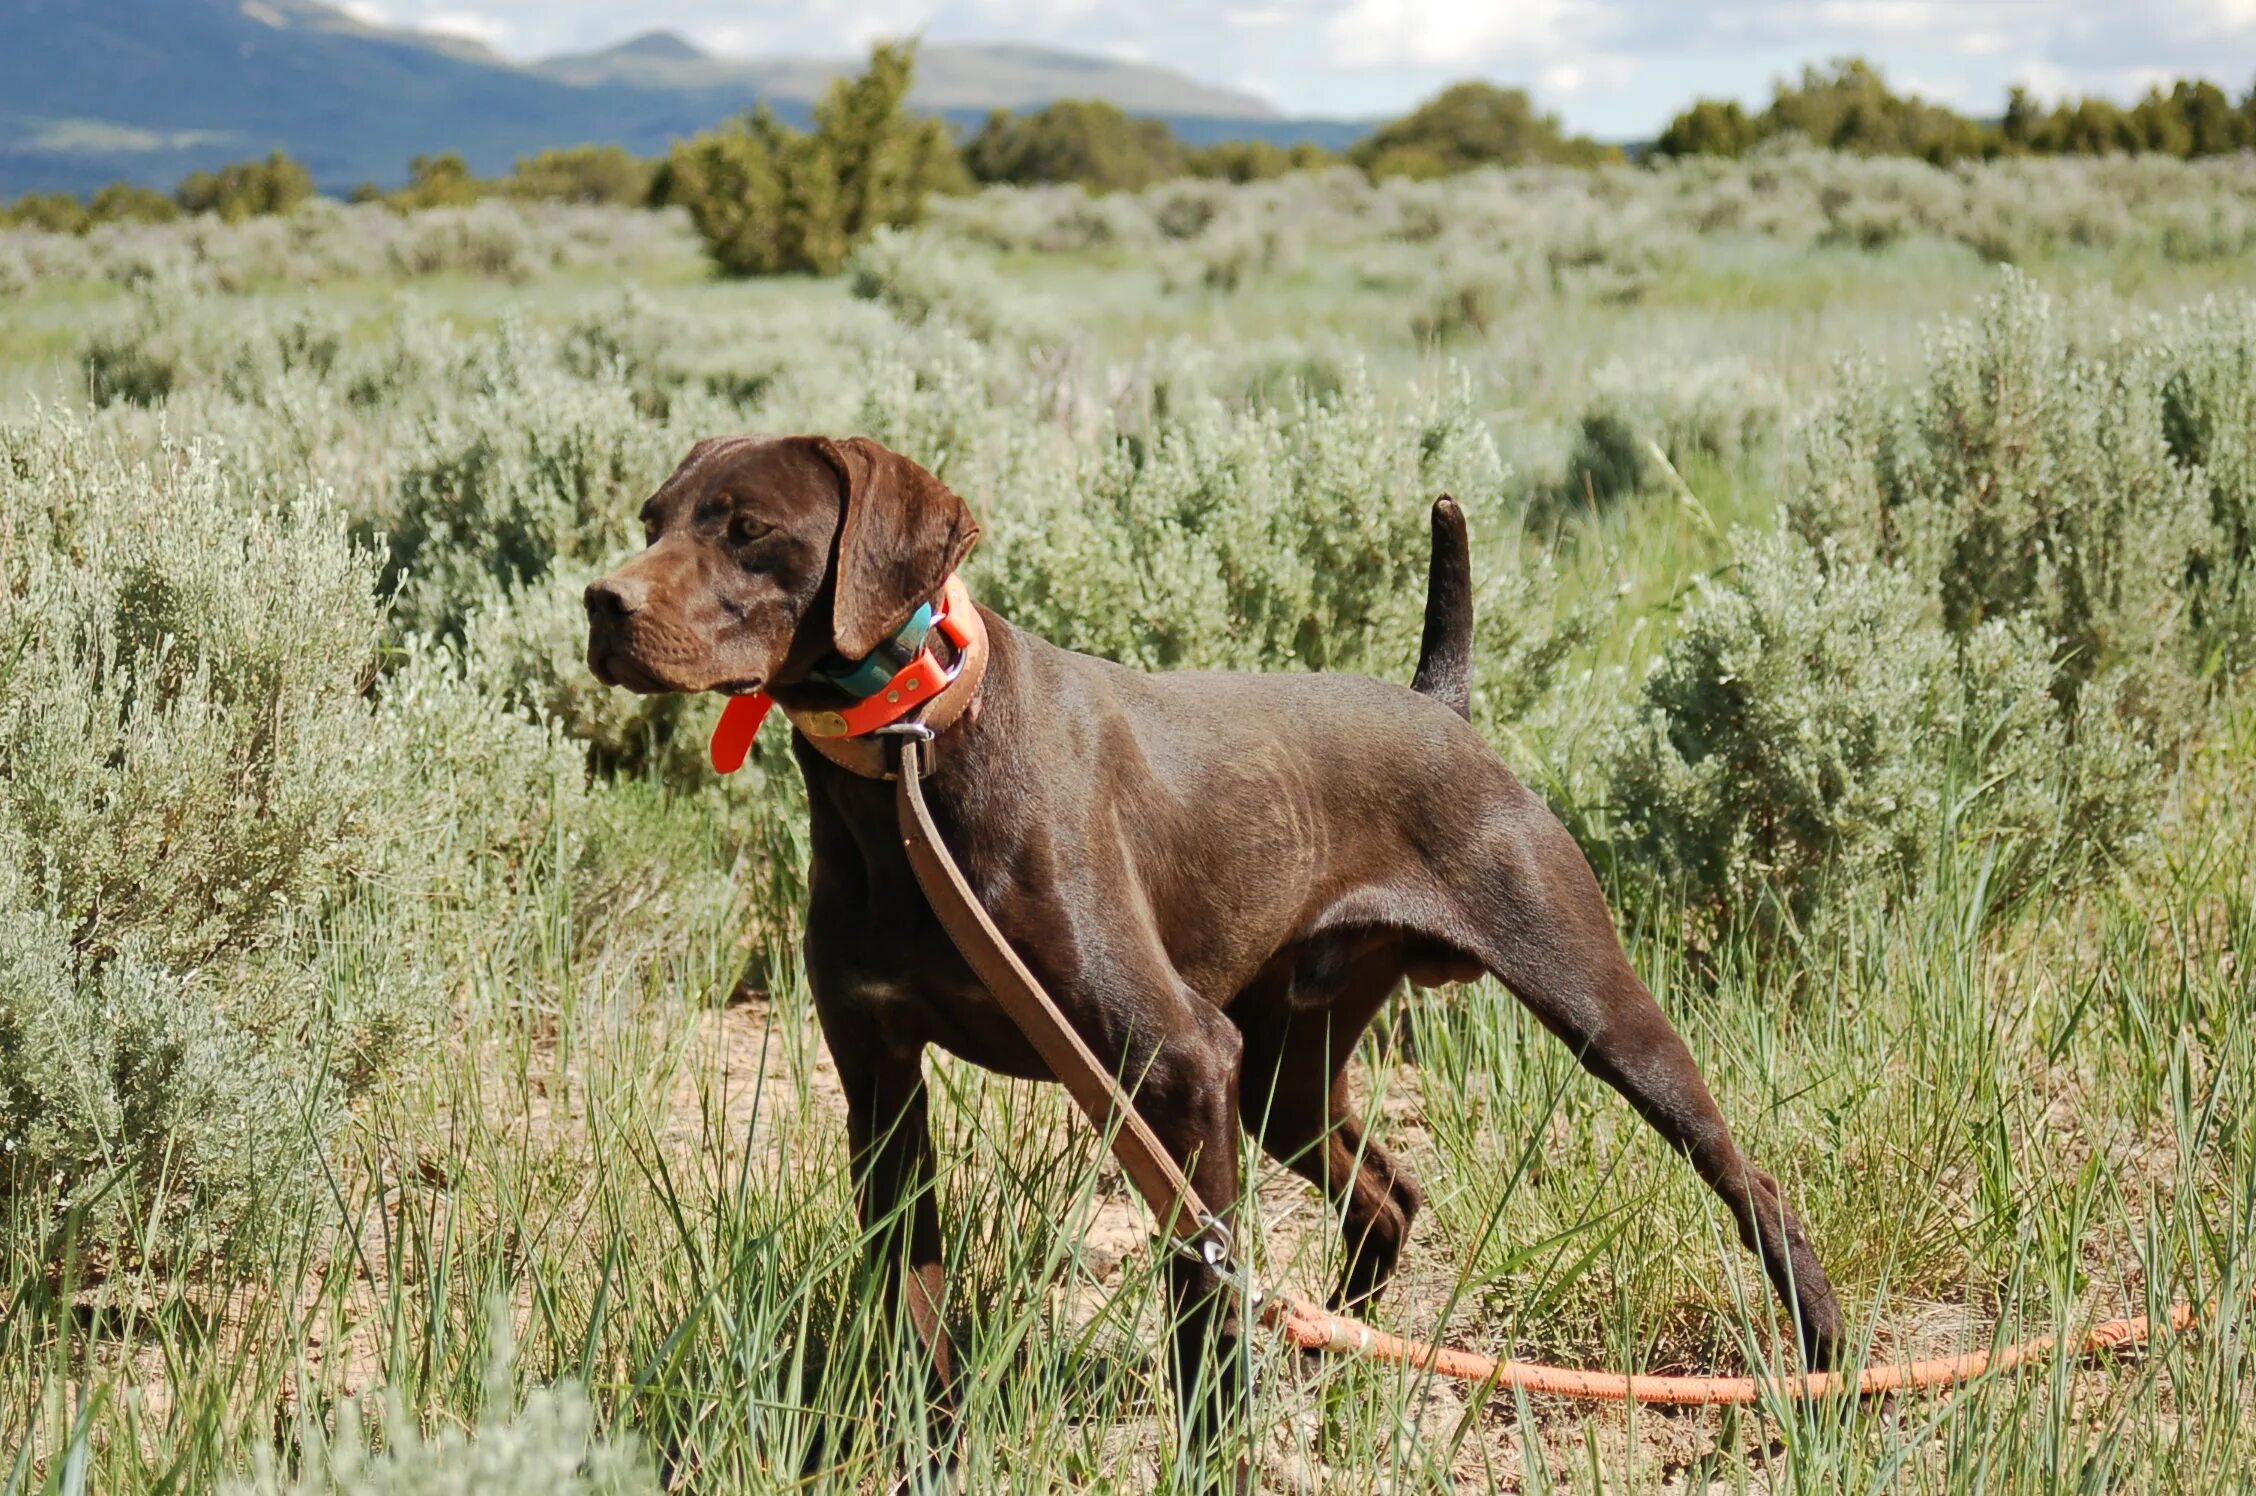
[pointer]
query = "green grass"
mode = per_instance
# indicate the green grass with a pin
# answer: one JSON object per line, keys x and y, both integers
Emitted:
{"x": 1997, "y": 1123}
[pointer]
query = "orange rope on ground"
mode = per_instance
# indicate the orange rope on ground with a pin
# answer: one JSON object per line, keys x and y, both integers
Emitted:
{"x": 1316, "y": 1329}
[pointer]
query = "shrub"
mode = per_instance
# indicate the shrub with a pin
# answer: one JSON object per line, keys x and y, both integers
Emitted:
{"x": 55, "y": 212}
{"x": 134, "y": 365}
{"x": 1718, "y": 412}
{"x": 246, "y": 189}
{"x": 1810, "y": 735}
{"x": 2209, "y": 421}
{"x": 1608, "y": 461}
{"x": 1243, "y": 161}
{"x": 1290, "y": 536}
{"x": 2021, "y": 475}
{"x": 1054, "y": 220}
{"x": 438, "y": 181}
{"x": 489, "y": 493}
{"x": 1710, "y": 127}
{"x": 1469, "y": 125}
{"x": 1465, "y": 309}
{"x": 768, "y": 199}
{"x": 543, "y": 1444}
{"x": 588, "y": 174}
{"x": 127, "y": 202}
{"x": 183, "y": 776}
{"x": 917, "y": 276}
{"x": 482, "y": 240}
{"x": 1088, "y": 142}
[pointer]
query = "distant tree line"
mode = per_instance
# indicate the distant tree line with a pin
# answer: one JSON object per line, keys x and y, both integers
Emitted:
{"x": 767, "y": 197}
{"x": 770, "y": 197}
{"x": 254, "y": 189}
{"x": 1848, "y": 106}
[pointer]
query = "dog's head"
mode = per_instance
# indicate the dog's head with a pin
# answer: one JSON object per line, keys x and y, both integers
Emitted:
{"x": 767, "y": 553}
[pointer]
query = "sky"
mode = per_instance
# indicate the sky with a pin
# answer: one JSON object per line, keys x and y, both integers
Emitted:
{"x": 1613, "y": 68}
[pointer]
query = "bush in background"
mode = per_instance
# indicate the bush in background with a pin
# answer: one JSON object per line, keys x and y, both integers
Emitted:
{"x": 246, "y": 189}
{"x": 184, "y": 775}
{"x": 542, "y": 1443}
{"x": 1810, "y": 735}
{"x": 1848, "y": 106}
{"x": 1086, "y": 141}
{"x": 1472, "y": 125}
{"x": 440, "y": 180}
{"x": 1243, "y": 161}
{"x": 918, "y": 276}
{"x": 2022, "y": 476}
{"x": 589, "y": 174}
{"x": 1284, "y": 536}
{"x": 768, "y": 199}
{"x": 125, "y": 202}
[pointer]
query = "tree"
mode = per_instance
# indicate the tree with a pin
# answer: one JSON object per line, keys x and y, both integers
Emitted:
{"x": 1849, "y": 107}
{"x": 586, "y": 174}
{"x": 1711, "y": 127}
{"x": 1255, "y": 160}
{"x": 440, "y": 181}
{"x": 2023, "y": 120}
{"x": 1075, "y": 140}
{"x": 769, "y": 199}
{"x": 2193, "y": 119}
{"x": 887, "y": 159}
{"x": 762, "y": 196}
{"x": 246, "y": 189}
{"x": 56, "y": 212}
{"x": 1469, "y": 125}
{"x": 129, "y": 202}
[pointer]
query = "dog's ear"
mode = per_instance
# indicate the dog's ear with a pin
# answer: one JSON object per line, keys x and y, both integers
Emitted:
{"x": 904, "y": 531}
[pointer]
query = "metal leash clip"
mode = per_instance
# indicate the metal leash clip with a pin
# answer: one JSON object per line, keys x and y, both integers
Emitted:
{"x": 1209, "y": 1247}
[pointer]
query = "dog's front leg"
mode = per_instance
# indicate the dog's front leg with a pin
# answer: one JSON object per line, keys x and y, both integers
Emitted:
{"x": 1189, "y": 1096}
{"x": 890, "y": 1134}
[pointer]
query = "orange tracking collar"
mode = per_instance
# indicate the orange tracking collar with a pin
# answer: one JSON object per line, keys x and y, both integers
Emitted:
{"x": 907, "y": 689}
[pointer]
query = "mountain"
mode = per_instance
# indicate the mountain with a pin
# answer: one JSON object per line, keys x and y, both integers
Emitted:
{"x": 950, "y": 76}
{"x": 93, "y": 91}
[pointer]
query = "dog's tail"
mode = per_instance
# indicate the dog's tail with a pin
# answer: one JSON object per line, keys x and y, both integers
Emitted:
{"x": 1445, "y": 653}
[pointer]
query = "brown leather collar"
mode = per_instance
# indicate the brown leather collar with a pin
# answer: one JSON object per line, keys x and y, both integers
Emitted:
{"x": 866, "y": 756}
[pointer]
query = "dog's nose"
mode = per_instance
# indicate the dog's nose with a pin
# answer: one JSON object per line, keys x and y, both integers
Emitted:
{"x": 612, "y": 598}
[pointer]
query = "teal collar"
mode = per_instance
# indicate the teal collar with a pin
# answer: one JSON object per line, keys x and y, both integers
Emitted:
{"x": 864, "y": 678}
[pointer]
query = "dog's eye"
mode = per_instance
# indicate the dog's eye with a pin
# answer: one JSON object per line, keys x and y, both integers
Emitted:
{"x": 744, "y": 529}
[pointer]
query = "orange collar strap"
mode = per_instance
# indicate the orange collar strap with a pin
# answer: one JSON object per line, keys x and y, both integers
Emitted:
{"x": 918, "y": 683}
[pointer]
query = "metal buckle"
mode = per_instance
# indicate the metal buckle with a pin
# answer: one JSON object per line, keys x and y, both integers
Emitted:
{"x": 907, "y": 727}
{"x": 1209, "y": 1247}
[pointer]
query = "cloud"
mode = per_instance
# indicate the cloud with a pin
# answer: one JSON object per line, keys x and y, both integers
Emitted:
{"x": 1599, "y": 74}
{"x": 1443, "y": 33}
{"x": 472, "y": 25}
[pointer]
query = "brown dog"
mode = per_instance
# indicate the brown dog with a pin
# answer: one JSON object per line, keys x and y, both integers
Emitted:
{"x": 1219, "y": 877}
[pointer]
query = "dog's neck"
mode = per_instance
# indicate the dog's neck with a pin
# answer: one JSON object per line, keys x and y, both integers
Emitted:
{"x": 866, "y": 755}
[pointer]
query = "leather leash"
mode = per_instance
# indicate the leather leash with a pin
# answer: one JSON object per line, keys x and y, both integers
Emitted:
{"x": 1173, "y": 1199}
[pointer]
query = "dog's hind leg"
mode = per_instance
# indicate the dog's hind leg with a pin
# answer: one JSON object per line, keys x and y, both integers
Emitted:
{"x": 1536, "y": 919}
{"x": 1321, "y": 1139}
{"x": 1295, "y": 1100}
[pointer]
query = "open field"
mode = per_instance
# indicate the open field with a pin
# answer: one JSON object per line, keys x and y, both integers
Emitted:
{"x": 402, "y": 1041}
